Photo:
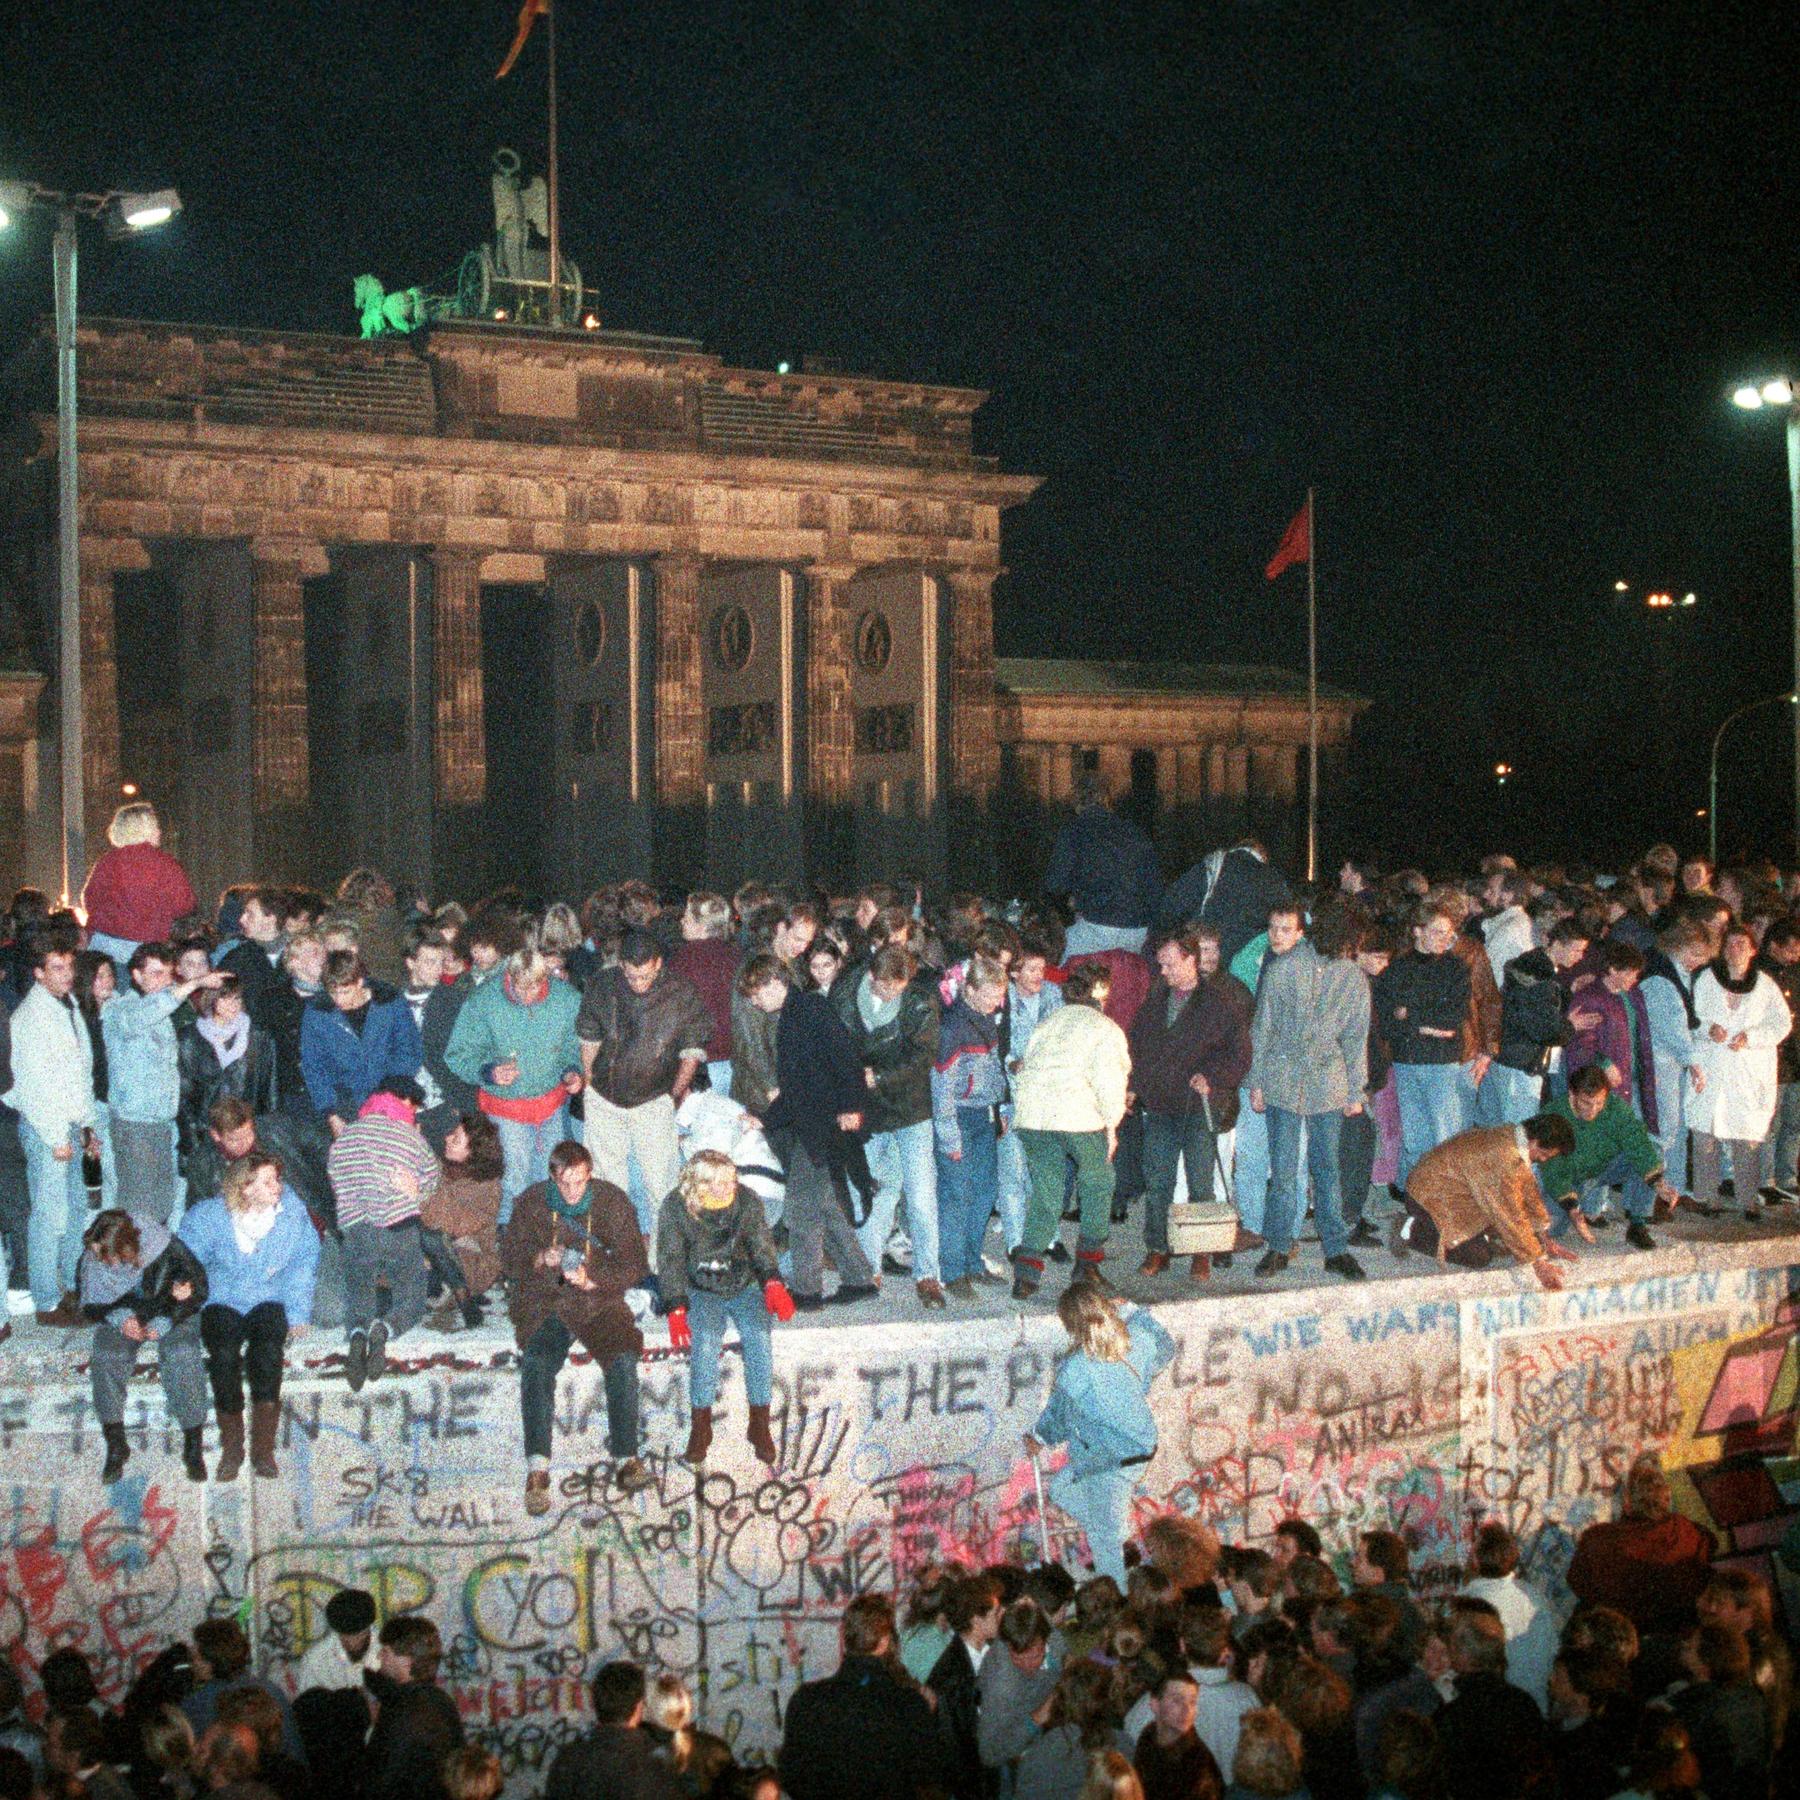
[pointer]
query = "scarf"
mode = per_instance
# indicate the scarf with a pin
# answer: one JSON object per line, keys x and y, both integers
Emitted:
{"x": 229, "y": 1042}
{"x": 105, "y": 1283}
{"x": 872, "y": 1009}
{"x": 307, "y": 990}
{"x": 561, "y": 1209}
{"x": 250, "y": 1228}
{"x": 1722, "y": 975}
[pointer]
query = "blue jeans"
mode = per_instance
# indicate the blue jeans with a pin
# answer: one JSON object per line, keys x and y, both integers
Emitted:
{"x": 707, "y": 1314}
{"x": 541, "y": 1361}
{"x": 718, "y": 1074}
{"x": 1507, "y": 1097}
{"x": 1101, "y": 1505}
{"x": 1287, "y": 1200}
{"x": 1170, "y": 1140}
{"x": 1640, "y": 1199}
{"x": 1085, "y": 937}
{"x": 58, "y": 1217}
{"x": 1431, "y": 1108}
{"x": 1014, "y": 1188}
{"x": 1784, "y": 1139}
{"x": 966, "y": 1192}
{"x": 1250, "y": 1166}
{"x": 525, "y": 1155}
{"x": 904, "y": 1161}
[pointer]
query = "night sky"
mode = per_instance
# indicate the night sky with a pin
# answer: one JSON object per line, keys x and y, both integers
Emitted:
{"x": 1482, "y": 274}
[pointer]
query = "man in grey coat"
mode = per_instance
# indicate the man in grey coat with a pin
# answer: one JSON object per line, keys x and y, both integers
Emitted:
{"x": 1309, "y": 1063}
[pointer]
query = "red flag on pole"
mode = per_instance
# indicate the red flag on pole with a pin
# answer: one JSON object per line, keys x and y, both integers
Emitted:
{"x": 1296, "y": 543}
{"x": 529, "y": 14}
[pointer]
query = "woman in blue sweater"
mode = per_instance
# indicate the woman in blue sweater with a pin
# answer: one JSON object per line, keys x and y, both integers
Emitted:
{"x": 1098, "y": 1407}
{"x": 261, "y": 1253}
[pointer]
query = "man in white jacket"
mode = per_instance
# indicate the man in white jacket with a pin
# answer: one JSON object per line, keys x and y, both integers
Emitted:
{"x": 53, "y": 1093}
{"x": 1530, "y": 1625}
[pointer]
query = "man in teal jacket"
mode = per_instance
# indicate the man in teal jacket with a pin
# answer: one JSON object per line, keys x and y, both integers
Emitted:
{"x": 1612, "y": 1149}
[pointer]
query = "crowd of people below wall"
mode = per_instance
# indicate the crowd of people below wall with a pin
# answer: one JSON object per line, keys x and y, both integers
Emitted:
{"x": 1209, "y": 1673}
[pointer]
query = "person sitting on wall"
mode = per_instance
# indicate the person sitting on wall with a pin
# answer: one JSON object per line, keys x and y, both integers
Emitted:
{"x": 571, "y": 1253}
{"x": 141, "y": 1284}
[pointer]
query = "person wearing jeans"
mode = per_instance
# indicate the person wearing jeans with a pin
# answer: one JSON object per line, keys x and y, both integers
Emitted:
{"x": 968, "y": 1086}
{"x": 571, "y": 1255}
{"x": 1421, "y": 1004}
{"x": 716, "y": 1262}
{"x": 1613, "y": 1147}
{"x": 1190, "y": 1050}
{"x": 893, "y": 1022}
{"x": 514, "y": 1040}
{"x": 1309, "y": 1070}
{"x": 1780, "y": 961}
{"x": 382, "y": 1172}
{"x": 53, "y": 1093}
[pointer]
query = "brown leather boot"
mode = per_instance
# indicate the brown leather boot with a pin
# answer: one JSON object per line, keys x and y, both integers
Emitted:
{"x": 699, "y": 1436}
{"x": 231, "y": 1446}
{"x": 1201, "y": 1268}
{"x": 761, "y": 1440}
{"x": 265, "y": 1418}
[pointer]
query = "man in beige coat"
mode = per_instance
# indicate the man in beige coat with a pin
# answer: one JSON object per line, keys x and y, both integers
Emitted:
{"x": 1478, "y": 1190}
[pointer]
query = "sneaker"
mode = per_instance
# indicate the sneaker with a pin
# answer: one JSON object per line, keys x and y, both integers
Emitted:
{"x": 892, "y": 1265}
{"x": 1365, "y": 1236}
{"x": 1346, "y": 1265}
{"x": 963, "y": 1288}
{"x": 356, "y": 1361}
{"x": 378, "y": 1337}
{"x": 1273, "y": 1262}
{"x": 989, "y": 1276}
{"x": 931, "y": 1294}
{"x": 1637, "y": 1235}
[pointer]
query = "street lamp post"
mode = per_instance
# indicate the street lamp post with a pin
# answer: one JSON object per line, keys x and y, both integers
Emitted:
{"x": 1753, "y": 397}
{"x": 125, "y": 214}
{"x": 1712, "y": 783}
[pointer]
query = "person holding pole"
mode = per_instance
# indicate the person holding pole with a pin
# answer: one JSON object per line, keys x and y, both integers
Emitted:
{"x": 1098, "y": 1407}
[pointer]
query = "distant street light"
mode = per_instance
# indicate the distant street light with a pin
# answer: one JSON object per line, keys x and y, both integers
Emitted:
{"x": 124, "y": 214}
{"x": 1778, "y": 391}
{"x": 1501, "y": 771}
{"x": 1712, "y": 784}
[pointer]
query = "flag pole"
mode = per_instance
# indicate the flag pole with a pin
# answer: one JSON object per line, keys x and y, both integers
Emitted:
{"x": 1312, "y": 689}
{"x": 555, "y": 206}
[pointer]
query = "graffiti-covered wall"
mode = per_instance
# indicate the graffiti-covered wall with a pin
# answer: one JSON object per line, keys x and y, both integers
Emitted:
{"x": 1422, "y": 1404}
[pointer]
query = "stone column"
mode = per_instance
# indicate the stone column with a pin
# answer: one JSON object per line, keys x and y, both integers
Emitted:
{"x": 830, "y": 726}
{"x": 973, "y": 757}
{"x": 680, "y": 724}
{"x": 458, "y": 729}
{"x": 277, "y": 569}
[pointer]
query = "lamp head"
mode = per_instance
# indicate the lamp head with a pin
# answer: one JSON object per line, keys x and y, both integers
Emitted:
{"x": 127, "y": 214}
{"x": 15, "y": 196}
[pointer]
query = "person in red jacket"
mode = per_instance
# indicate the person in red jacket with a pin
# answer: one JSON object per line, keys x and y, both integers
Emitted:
{"x": 136, "y": 890}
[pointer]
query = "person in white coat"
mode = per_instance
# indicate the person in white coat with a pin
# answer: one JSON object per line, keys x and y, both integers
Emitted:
{"x": 53, "y": 1093}
{"x": 1527, "y": 1617}
{"x": 1743, "y": 1018}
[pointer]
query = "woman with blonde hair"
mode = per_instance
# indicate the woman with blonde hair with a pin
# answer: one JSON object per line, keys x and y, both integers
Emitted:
{"x": 168, "y": 1741}
{"x": 696, "y": 1756}
{"x": 716, "y": 1261}
{"x": 473, "y": 1772}
{"x": 260, "y": 1252}
{"x": 1268, "y": 1761}
{"x": 136, "y": 890}
{"x": 1098, "y": 1407}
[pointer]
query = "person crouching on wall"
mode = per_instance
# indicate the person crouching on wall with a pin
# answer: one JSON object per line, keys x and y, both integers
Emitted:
{"x": 140, "y": 1284}
{"x": 715, "y": 1261}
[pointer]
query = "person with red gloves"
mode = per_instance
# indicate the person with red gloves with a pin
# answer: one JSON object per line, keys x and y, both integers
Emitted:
{"x": 716, "y": 1261}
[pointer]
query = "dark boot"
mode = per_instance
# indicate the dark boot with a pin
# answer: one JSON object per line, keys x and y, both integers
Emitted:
{"x": 193, "y": 1453}
{"x": 761, "y": 1440}
{"x": 699, "y": 1436}
{"x": 231, "y": 1446}
{"x": 265, "y": 1416}
{"x": 118, "y": 1452}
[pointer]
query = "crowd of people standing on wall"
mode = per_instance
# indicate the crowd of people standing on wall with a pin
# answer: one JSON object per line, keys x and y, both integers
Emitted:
{"x": 227, "y": 1126}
